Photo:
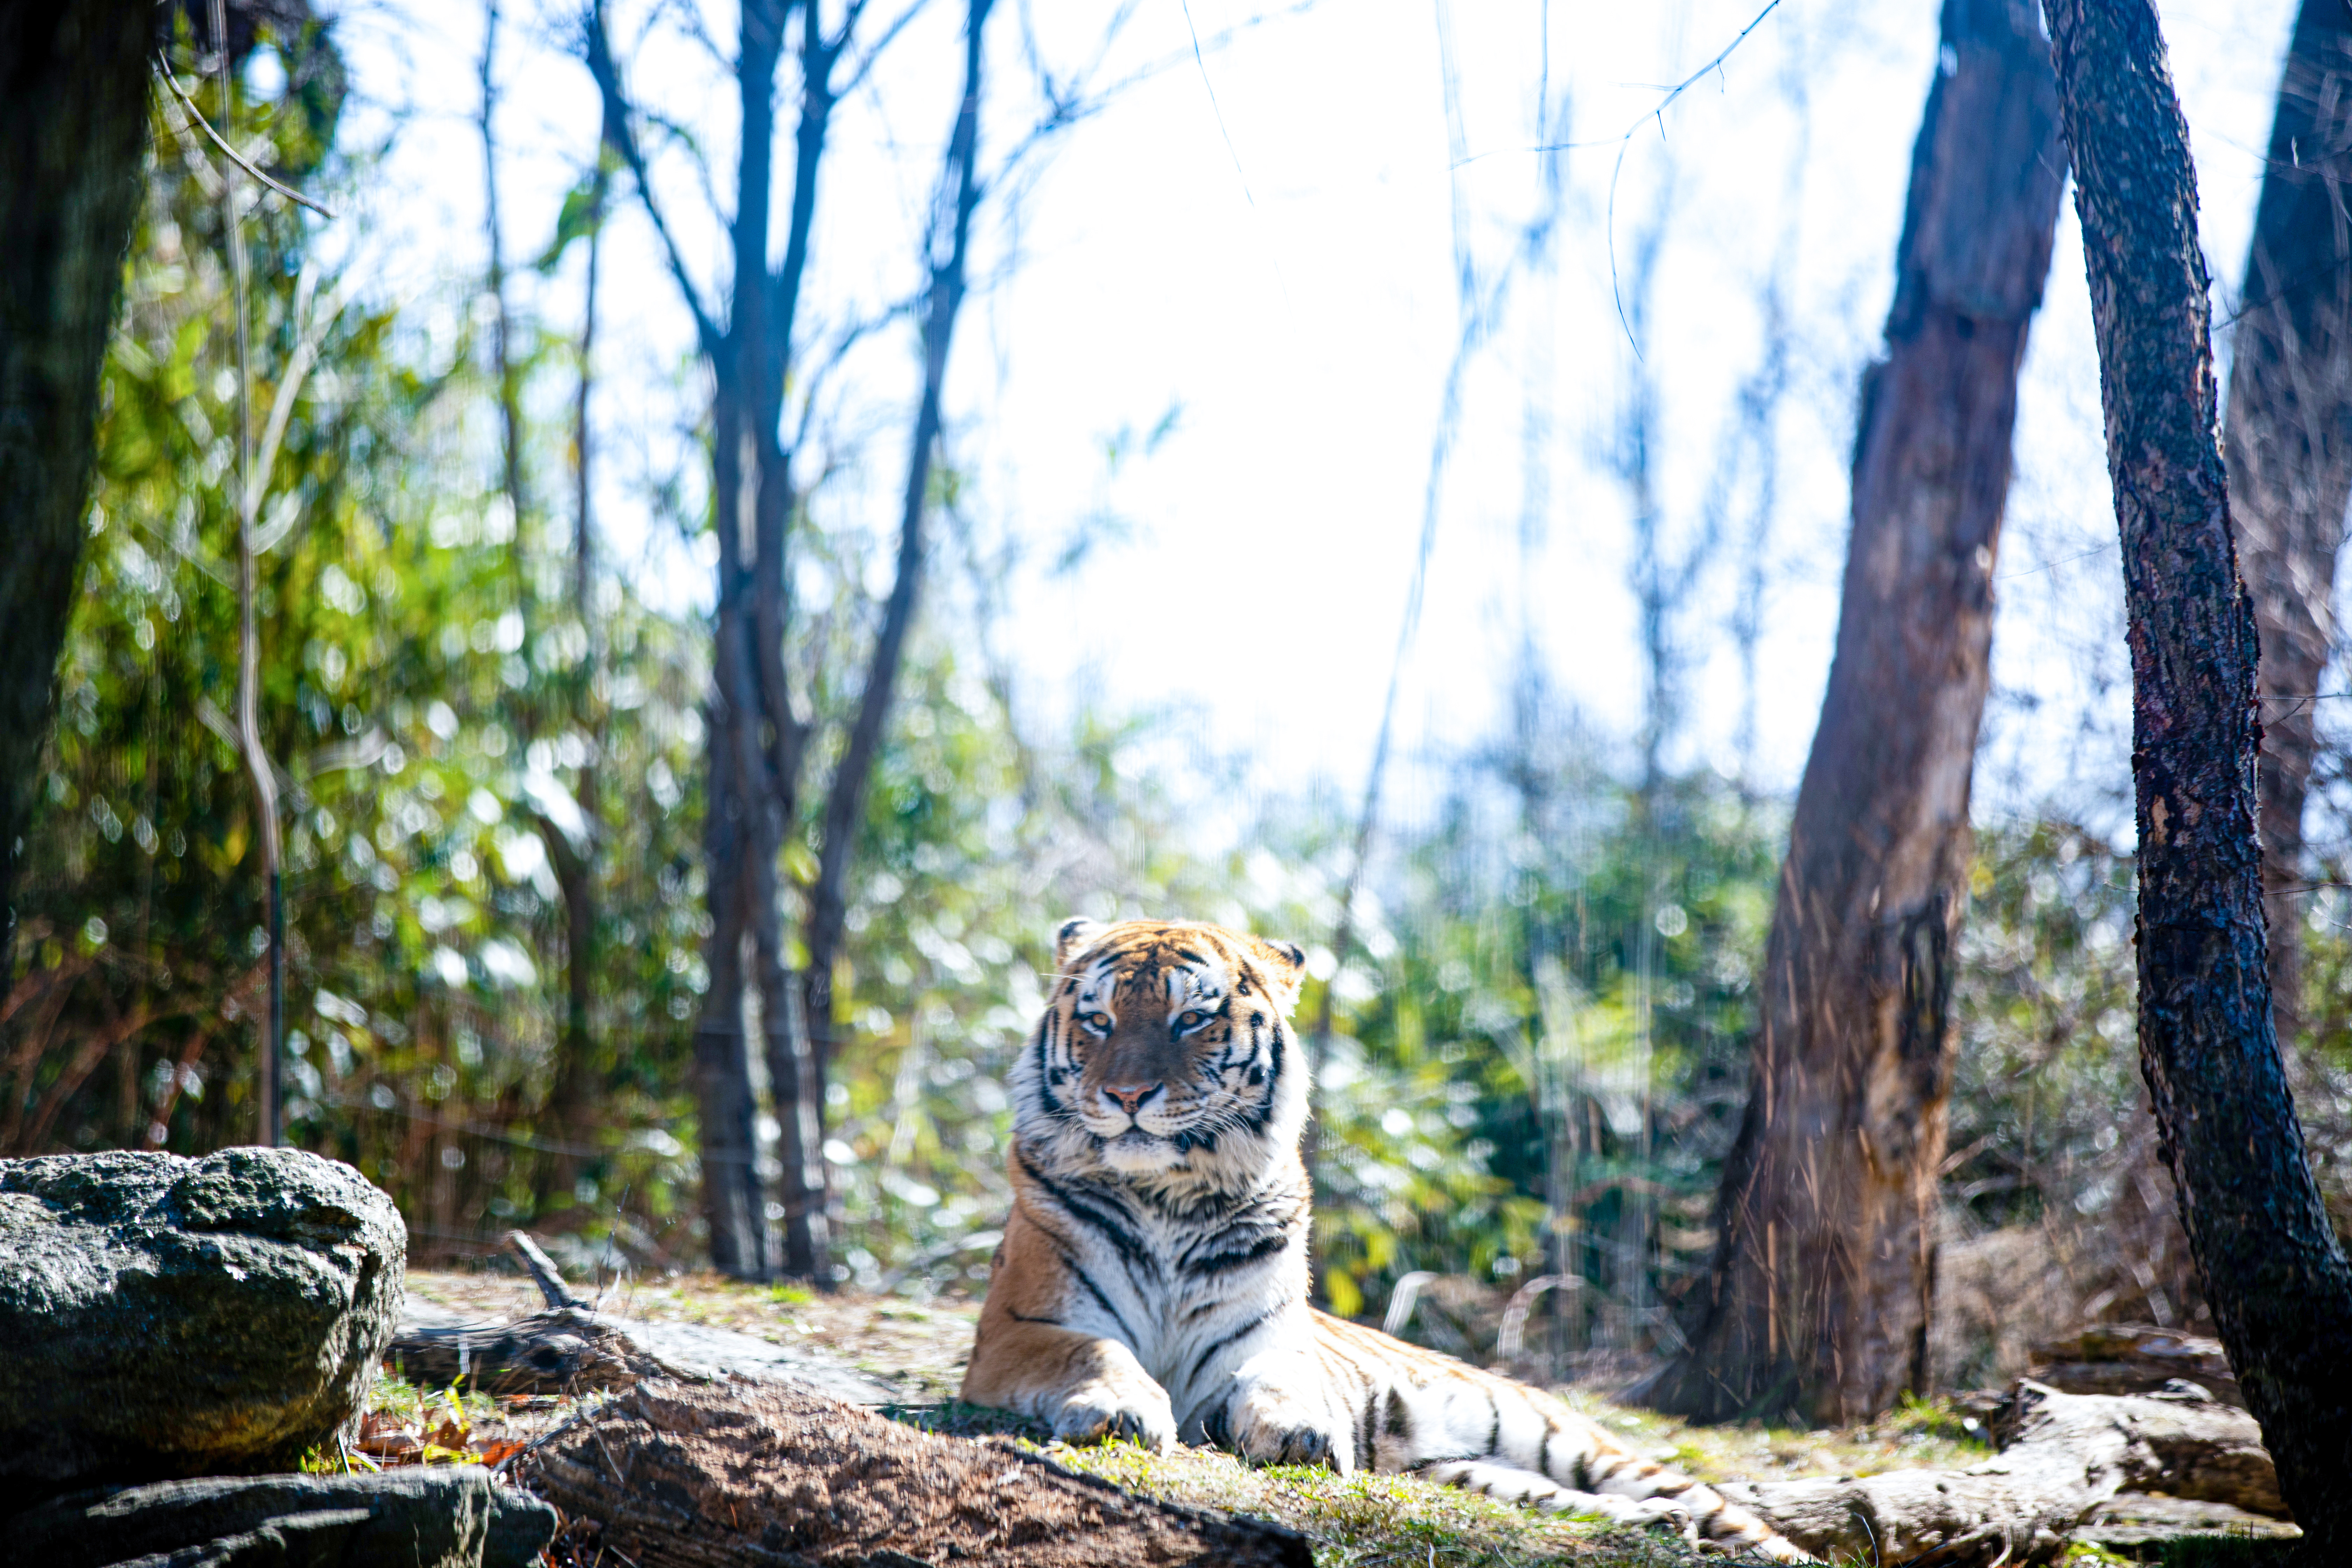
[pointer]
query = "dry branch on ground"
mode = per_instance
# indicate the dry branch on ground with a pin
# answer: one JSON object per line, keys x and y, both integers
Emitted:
{"x": 563, "y": 1350}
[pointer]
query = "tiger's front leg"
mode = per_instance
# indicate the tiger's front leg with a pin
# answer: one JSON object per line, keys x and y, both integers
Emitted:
{"x": 1283, "y": 1411}
{"x": 1085, "y": 1388}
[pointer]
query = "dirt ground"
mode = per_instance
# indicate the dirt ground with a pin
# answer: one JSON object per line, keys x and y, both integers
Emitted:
{"x": 678, "y": 1477}
{"x": 919, "y": 1351}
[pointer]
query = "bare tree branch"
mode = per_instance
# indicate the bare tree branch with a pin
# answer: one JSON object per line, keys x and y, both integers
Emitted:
{"x": 873, "y": 52}
{"x": 959, "y": 195}
{"x": 620, "y": 134}
{"x": 163, "y": 70}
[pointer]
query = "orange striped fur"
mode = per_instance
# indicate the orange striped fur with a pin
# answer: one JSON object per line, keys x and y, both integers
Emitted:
{"x": 1153, "y": 1282}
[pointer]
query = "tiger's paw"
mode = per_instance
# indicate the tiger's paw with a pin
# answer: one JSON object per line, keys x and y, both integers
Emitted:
{"x": 1099, "y": 1415}
{"x": 1276, "y": 1429}
{"x": 1670, "y": 1513}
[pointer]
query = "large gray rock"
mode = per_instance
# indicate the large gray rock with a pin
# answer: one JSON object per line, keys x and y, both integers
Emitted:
{"x": 164, "y": 1317}
{"x": 451, "y": 1516}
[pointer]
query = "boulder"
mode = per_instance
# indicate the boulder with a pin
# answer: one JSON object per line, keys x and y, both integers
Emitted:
{"x": 167, "y": 1317}
{"x": 452, "y": 1516}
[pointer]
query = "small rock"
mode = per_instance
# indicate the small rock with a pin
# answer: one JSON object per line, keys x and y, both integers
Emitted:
{"x": 453, "y": 1516}
{"x": 168, "y": 1317}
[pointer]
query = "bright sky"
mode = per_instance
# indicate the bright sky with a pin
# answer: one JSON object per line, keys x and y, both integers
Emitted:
{"x": 1264, "y": 241}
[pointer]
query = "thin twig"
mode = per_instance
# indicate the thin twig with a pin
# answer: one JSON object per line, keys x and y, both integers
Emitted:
{"x": 1478, "y": 316}
{"x": 542, "y": 1270}
{"x": 621, "y": 137}
{"x": 212, "y": 569}
{"x": 1211, "y": 89}
{"x": 873, "y": 52}
{"x": 281, "y": 413}
{"x": 163, "y": 69}
{"x": 1625, "y": 143}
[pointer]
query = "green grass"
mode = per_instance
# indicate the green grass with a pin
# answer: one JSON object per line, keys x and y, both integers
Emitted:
{"x": 954, "y": 1418}
{"x": 419, "y": 1406}
{"x": 1927, "y": 1435}
{"x": 1355, "y": 1521}
{"x": 2226, "y": 1552}
{"x": 1362, "y": 1520}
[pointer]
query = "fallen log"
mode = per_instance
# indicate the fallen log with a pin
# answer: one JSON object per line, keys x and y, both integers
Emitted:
{"x": 565, "y": 1349}
{"x": 570, "y": 1347}
{"x": 2134, "y": 1358}
{"x": 2062, "y": 1456}
{"x": 669, "y": 1476}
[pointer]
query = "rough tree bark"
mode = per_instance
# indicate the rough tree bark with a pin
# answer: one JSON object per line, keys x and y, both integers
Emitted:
{"x": 1817, "y": 1298}
{"x": 73, "y": 135}
{"x": 2275, "y": 1274}
{"x": 2289, "y": 436}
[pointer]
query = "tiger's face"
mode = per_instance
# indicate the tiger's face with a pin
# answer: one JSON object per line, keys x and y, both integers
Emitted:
{"x": 1165, "y": 1051}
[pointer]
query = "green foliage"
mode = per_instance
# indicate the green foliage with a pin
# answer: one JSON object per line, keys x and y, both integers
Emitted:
{"x": 430, "y": 704}
{"x": 1558, "y": 1030}
{"x": 2043, "y": 1016}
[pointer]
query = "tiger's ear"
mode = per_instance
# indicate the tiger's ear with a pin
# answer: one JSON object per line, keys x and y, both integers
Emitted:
{"x": 1285, "y": 965}
{"x": 1073, "y": 938}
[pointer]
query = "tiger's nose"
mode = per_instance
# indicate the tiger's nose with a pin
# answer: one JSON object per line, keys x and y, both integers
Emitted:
{"x": 1130, "y": 1095}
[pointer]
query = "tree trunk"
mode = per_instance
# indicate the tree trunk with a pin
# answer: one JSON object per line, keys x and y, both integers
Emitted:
{"x": 73, "y": 136}
{"x": 795, "y": 1077}
{"x": 756, "y": 741}
{"x": 1817, "y": 1298}
{"x": 2289, "y": 435}
{"x": 2275, "y": 1275}
{"x": 733, "y": 1207}
{"x": 569, "y": 1097}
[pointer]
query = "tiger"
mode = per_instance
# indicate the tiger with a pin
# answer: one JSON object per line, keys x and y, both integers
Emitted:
{"x": 1152, "y": 1282}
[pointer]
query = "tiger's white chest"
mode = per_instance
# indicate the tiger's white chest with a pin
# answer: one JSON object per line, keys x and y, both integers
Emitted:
{"x": 1174, "y": 1296}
